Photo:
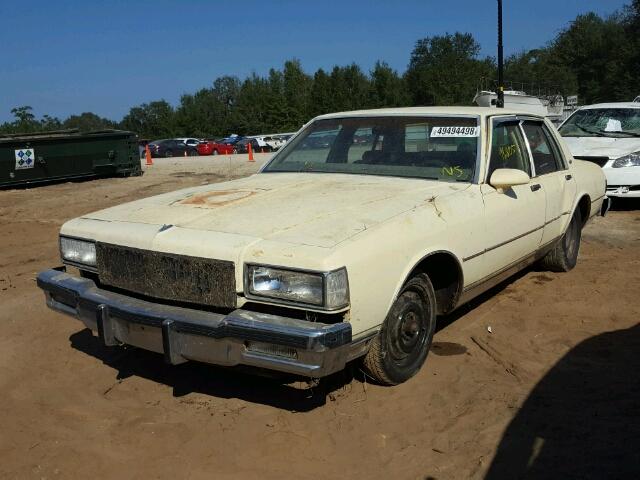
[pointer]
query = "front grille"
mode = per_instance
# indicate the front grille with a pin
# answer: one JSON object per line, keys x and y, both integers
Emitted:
{"x": 167, "y": 276}
{"x": 597, "y": 160}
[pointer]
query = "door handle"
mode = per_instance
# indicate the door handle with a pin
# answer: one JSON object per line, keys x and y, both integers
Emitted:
{"x": 536, "y": 187}
{"x": 568, "y": 177}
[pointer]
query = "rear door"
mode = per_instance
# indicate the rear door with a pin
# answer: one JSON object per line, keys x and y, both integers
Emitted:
{"x": 515, "y": 217}
{"x": 550, "y": 170}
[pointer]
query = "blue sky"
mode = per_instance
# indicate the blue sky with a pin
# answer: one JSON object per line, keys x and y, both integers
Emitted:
{"x": 106, "y": 56}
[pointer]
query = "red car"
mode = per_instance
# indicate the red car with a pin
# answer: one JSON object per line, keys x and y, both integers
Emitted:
{"x": 215, "y": 147}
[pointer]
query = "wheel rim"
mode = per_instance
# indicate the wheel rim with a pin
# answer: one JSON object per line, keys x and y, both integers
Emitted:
{"x": 168, "y": 153}
{"x": 408, "y": 330}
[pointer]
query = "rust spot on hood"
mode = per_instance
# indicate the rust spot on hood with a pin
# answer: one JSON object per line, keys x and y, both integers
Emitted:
{"x": 217, "y": 198}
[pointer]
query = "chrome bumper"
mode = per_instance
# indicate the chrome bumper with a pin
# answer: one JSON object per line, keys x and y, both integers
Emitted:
{"x": 240, "y": 338}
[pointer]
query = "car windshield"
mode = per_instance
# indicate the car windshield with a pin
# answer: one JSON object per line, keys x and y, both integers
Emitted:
{"x": 603, "y": 122}
{"x": 438, "y": 148}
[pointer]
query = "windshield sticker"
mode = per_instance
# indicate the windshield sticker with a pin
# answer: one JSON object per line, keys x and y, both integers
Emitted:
{"x": 455, "y": 132}
{"x": 25, "y": 158}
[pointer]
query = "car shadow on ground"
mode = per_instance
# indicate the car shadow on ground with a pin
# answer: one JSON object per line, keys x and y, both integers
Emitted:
{"x": 582, "y": 420}
{"x": 257, "y": 386}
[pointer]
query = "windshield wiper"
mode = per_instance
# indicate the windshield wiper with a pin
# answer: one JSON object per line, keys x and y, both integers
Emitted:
{"x": 631, "y": 134}
{"x": 599, "y": 133}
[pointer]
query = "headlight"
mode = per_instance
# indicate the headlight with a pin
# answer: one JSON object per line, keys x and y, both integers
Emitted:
{"x": 631, "y": 160}
{"x": 327, "y": 291}
{"x": 78, "y": 251}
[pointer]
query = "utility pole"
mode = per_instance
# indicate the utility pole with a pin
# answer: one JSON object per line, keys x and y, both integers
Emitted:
{"x": 500, "y": 100}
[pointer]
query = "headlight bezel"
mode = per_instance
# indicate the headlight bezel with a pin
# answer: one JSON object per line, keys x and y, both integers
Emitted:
{"x": 629, "y": 157}
{"x": 324, "y": 275}
{"x": 92, "y": 267}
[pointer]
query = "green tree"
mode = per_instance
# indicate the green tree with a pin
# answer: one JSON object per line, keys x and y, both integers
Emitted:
{"x": 25, "y": 121}
{"x": 446, "y": 70}
{"x": 88, "y": 121}
{"x": 297, "y": 89}
{"x": 349, "y": 88}
{"x": 387, "y": 88}
{"x": 321, "y": 100}
{"x": 599, "y": 53}
{"x": 151, "y": 120}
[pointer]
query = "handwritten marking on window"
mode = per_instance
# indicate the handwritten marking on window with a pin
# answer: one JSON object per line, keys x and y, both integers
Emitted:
{"x": 454, "y": 171}
{"x": 507, "y": 151}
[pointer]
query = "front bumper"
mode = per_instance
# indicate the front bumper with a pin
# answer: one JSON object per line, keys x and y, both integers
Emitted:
{"x": 242, "y": 337}
{"x": 622, "y": 182}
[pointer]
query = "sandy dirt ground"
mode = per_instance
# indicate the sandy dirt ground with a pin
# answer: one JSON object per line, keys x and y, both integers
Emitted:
{"x": 553, "y": 391}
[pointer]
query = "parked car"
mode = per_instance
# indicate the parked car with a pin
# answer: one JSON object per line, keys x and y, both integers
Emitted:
{"x": 215, "y": 147}
{"x": 345, "y": 251}
{"x": 171, "y": 148}
{"x": 276, "y": 141}
{"x": 257, "y": 146}
{"x": 608, "y": 134}
{"x": 190, "y": 141}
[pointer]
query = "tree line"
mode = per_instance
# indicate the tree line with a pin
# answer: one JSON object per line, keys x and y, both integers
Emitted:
{"x": 597, "y": 58}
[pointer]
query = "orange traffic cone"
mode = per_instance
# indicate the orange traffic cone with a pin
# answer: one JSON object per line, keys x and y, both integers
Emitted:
{"x": 250, "y": 152}
{"x": 147, "y": 155}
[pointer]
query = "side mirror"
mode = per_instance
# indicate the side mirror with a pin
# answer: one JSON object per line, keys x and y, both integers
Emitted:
{"x": 504, "y": 178}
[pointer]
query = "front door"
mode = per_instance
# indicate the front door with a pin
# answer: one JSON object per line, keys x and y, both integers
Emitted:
{"x": 515, "y": 217}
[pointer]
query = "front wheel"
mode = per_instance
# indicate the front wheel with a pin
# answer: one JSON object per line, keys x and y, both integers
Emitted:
{"x": 168, "y": 153}
{"x": 399, "y": 350}
{"x": 564, "y": 256}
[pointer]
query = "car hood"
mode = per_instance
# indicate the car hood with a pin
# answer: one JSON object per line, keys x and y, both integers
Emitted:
{"x": 318, "y": 210}
{"x": 602, "y": 146}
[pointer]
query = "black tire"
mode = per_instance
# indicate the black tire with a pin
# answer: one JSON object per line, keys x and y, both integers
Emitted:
{"x": 215, "y": 152}
{"x": 168, "y": 153}
{"x": 564, "y": 255}
{"x": 193, "y": 153}
{"x": 400, "y": 349}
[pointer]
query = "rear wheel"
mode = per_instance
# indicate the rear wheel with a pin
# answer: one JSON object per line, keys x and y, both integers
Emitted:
{"x": 564, "y": 256}
{"x": 168, "y": 153}
{"x": 215, "y": 152}
{"x": 401, "y": 347}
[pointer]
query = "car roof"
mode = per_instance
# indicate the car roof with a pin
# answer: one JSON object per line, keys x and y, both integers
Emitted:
{"x": 612, "y": 105}
{"x": 425, "y": 111}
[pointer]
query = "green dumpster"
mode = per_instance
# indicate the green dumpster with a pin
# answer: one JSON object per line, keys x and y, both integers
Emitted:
{"x": 66, "y": 154}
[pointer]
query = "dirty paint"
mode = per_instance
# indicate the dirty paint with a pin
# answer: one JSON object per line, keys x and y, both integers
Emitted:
{"x": 217, "y": 198}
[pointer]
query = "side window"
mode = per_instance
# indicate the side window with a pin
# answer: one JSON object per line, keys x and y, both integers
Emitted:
{"x": 508, "y": 149}
{"x": 545, "y": 154}
{"x": 555, "y": 148}
{"x": 362, "y": 142}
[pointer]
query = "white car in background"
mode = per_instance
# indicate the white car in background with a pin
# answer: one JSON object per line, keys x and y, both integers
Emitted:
{"x": 190, "y": 141}
{"x": 608, "y": 134}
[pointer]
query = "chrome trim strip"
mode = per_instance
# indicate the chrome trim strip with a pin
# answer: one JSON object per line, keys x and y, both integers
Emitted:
{"x": 484, "y": 284}
{"x": 465, "y": 259}
{"x": 471, "y": 257}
